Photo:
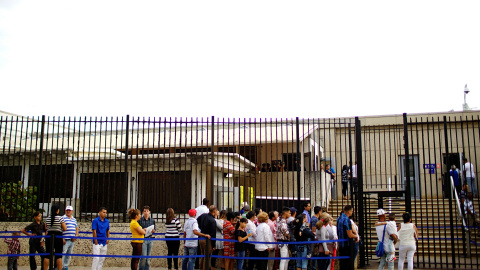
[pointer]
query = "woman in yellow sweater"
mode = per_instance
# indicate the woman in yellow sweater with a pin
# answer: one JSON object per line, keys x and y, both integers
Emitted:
{"x": 137, "y": 232}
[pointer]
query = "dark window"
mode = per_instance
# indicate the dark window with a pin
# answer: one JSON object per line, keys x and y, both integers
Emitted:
{"x": 249, "y": 152}
{"x": 103, "y": 189}
{"x": 193, "y": 150}
{"x": 9, "y": 174}
{"x": 227, "y": 149}
{"x": 56, "y": 182}
{"x": 153, "y": 151}
{"x": 162, "y": 190}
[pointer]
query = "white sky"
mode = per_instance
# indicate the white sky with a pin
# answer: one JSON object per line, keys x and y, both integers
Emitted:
{"x": 238, "y": 58}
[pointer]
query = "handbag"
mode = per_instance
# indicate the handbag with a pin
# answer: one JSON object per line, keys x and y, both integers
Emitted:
{"x": 379, "y": 251}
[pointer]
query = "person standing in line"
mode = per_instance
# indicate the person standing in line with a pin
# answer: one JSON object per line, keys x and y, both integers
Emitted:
{"x": 317, "y": 211}
{"x": 137, "y": 232}
{"x": 345, "y": 180}
{"x": 146, "y": 221}
{"x": 323, "y": 248}
{"x": 72, "y": 232}
{"x": 13, "y": 248}
{"x": 385, "y": 232}
{"x": 55, "y": 226}
{"x": 408, "y": 234}
{"x": 306, "y": 210}
{"x": 174, "y": 228}
{"x": 345, "y": 232}
{"x": 100, "y": 229}
{"x": 203, "y": 209}
{"x": 272, "y": 224}
{"x": 354, "y": 177}
{"x": 241, "y": 235}
{"x": 283, "y": 235}
{"x": 331, "y": 172}
{"x": 37, "y": 227}
{"x": 251, "y": 229}
{"x": 229, "y": 234}
{"x": 207, "y": 225}
{"x": 264, "y": 234}
{"x": 191, "y": 231}
{"x": 219, "y": 244}
{"x": 469, "y": 172}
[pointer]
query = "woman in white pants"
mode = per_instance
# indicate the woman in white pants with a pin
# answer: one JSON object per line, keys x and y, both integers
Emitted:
{"x": 407, "y": 234}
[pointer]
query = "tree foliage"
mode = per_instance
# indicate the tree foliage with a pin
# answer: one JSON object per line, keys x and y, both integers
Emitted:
{"x": 16, "y": 202}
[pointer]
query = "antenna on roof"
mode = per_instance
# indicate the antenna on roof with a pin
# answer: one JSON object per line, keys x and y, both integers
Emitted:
{"x": 465, "y": 92}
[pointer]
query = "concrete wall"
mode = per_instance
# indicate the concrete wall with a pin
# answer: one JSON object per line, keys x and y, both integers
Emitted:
{"x": 83, "y": 246}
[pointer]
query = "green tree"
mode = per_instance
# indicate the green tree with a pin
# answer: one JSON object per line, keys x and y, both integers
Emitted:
{"x": 18, "y": 202}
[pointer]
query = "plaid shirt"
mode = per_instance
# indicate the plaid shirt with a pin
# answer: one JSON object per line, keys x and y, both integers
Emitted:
{"x": 13, "y": 246}
{"x": 343, "y": 225}
{"x": 147, "y": 223}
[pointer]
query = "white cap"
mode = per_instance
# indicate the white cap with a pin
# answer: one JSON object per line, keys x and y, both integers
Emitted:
{"x": 69, "y": 208}
{"x": 381, "y": 212}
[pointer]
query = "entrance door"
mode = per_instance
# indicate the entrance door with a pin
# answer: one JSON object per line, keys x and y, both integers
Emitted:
{"x": 414, "y": 175}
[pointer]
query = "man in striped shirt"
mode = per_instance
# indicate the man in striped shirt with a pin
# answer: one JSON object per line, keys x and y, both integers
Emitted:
{"x": 71, "y": 233}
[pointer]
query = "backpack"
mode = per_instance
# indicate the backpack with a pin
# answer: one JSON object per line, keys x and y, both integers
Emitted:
{"x": 379, "y": 251}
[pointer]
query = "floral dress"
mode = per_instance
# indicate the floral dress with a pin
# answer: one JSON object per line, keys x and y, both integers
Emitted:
{"x": 228, "y": 233}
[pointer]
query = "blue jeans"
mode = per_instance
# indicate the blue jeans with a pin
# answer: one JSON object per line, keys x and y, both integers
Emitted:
{"x": 240, "y": 261}
{"x": 473, "y": 186}
{"x": 67, "y": 248}
{"x": 383, "y": 261}
{"x": 146, "y": 251}
{"x": 302, "y": 253}
{"x": 188, "y": 264}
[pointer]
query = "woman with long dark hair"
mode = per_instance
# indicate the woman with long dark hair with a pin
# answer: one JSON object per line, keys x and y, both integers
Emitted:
{"x": 173, "y": 231}
{"x": 55, "y": 227}
{"x": 137, "y": 232}
{"x": 229, "y": 233}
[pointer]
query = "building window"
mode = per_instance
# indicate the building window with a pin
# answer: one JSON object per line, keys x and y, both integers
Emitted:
{"x": 56, "y": 182}
{"x": 108, "y": 190}
{"x": 10, "y": 174}
{"x": 163, "y": 190}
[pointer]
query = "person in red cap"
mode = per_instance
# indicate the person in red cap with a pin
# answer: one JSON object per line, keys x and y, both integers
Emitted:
{"x": 191, "y": 231}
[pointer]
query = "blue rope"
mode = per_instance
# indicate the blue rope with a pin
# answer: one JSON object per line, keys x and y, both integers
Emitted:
{"x": 130, "y": 239}
{"x": 129, "y": 256}
{"x": 280, "y": 258}
{"x": 19, "y": 236}
{"x": 22, "y": 255}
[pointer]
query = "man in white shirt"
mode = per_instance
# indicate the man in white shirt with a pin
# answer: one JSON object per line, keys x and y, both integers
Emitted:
{"x": 389, "y": 232}
{"x": 202, "y": 209}
{"x": 354, "y": 177}
{"x": 190, "y": 248}
{"x": 251, "y": 228}
{"x": 469, "y": 172}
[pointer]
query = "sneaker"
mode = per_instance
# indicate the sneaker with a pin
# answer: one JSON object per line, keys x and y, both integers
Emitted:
{"x": 309, "y": 256}
{"x": 391, "y": 259}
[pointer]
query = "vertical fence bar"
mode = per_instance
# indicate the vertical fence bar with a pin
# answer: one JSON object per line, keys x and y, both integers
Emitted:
{"x": 408, "y": 196}
{"x": 297, "y": 164}
{"x": 212, "y": 141}
{"x": 446, "y": 178}
{"x": 361, "y": 214}
{"x": 127, "y": 130}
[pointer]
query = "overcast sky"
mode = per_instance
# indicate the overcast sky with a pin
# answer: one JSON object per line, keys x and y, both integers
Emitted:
{"x": 238, "y": 58}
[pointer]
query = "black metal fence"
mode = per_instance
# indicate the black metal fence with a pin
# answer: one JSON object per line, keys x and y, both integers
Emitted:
{"x": 125, "y": 162}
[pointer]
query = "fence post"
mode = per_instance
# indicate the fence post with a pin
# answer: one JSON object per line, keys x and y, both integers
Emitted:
{"x": 448, "y": 164}
{"x": 298, "y": 160}
{"x": 40, "y": 159}
{"x": 351, "y": 158}
{"x": 352, "y": 253}
{"x": 408, "y": 196}
{"x": 52, "y": 245}
{"x": 360, "y": 210}
{"x": 126, "y": 160}
{"x": 212, "y": 171}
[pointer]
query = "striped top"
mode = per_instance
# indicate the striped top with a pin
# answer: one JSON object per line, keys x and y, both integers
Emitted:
{"x": 174, "y": 228}
{"x": 71, "y": 227}
{"x": 57, "y": 224}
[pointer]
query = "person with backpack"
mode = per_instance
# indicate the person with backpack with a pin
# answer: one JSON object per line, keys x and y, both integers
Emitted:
{"x": 384, "y": 233}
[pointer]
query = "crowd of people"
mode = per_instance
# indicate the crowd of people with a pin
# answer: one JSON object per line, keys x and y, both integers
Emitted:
{"x": 254, "y": 234}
